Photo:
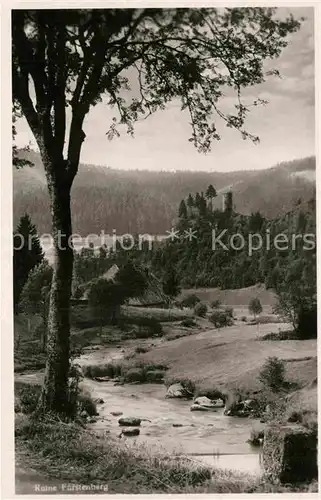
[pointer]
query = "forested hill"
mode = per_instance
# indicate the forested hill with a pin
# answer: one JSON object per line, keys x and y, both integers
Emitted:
{"x": 143, "y": 201}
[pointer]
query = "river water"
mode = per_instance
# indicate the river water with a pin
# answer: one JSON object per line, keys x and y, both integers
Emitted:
{"x": 210, "y": 437}
{"x": 169, "y": 425}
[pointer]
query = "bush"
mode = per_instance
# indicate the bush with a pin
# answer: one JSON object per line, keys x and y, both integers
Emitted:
{"x": 141, "y": 350}
{"x": 188, "y": 385}
{"x": 86, "y": 403}
{"x": 147, "y": 327}
{"x": 28, "y": 395}
{"x": 272, "y": 375}
{"x": 229, "y": 311}
{"x": 134, "y": 375}
{"x": 216, "y": 304}
{"x": 244, "y": 319}
{"x": 190, "y": 300}
{"x": 255, "y": 306}
{"x": 210, "y": 393}
{"x": 104, "y": 370}
{"x": 278, "y": 336}
{"x": 220, "y": 319}
{"x": 79, "y": 398}
{"x": 188, "y": 322}
{"x": 200, "y": 309}
{"x": 154, "y": 376}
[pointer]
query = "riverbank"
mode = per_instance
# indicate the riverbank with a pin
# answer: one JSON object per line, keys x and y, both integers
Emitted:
{"x": 67, "y": 453}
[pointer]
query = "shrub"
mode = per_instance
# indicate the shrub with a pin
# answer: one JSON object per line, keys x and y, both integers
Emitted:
{"x": 200, "y": 309}
{"x": 244, "y": 319}
{"x": 28, "y": 394}
{"x": 220, "y": 319}
{"x": 186, "y": 383}
{"x": 190, "y": 300}
{"x": 86, "y": 403}
{"x": 154, "y": 376}
{"x": 147, "y": 327}
{"x": 104, "y": 370}
{"x": 255, "y": 306}
{"x": 229, "y": 311}
{"x": 273, "y": 373}
{"x": 141, "y": 350}
{"x": 284, "y": 335}
{"x": 188, "y": 322}
{"x": 134, "y": 375}
{"x": 210, "y": 393}
{"x": 79, "y": 398}
{"x": 216, "y": 304}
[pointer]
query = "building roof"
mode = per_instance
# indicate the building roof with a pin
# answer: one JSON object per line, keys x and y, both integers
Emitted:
{"x": 110, "y": 274}
{"x": 153, "y": 294}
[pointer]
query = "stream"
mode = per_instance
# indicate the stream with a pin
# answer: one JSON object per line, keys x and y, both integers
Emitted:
{"x": 168, "y": 425}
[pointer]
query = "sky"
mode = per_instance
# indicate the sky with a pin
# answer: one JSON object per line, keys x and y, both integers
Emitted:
{"x": 286, "y": 126}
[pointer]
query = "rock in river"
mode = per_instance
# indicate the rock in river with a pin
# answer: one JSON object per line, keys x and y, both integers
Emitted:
{"x": 116, "y": 413}
{"x": 130, "y": 431}
{"x": 242, "y": 409}
{"x": 130, "y": 421}
{"x": 203, "y": 403}
{"x": 196, "y": 407}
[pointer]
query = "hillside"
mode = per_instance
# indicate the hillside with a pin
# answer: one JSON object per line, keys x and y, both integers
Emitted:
{"x": 146, "y": 201}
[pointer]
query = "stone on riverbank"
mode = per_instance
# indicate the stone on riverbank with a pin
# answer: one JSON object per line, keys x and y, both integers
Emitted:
{"x": 116, "y": 413}
{"x": 211, "y": 403}
{"x": 203, "y": 403}
{"x": 130, "y": 421}
{"x": 178, "y": 391}
{"x": 196, "y": 407}
{"x": 290, "y": 454}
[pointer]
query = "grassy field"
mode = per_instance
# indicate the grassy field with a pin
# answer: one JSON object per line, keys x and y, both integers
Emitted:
{"x": 232, "y": 357}
{"x": 236, "y": 298}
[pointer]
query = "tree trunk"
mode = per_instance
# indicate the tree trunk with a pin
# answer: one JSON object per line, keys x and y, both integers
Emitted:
{"x": 44, "y": 329}
{"x": 55, "y": 390}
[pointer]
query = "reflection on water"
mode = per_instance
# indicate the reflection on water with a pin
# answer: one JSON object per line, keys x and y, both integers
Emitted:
{"x": 250, "y": 463}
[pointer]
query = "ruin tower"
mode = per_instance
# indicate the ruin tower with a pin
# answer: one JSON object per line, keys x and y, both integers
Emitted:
{"x": 228, "y": 202}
